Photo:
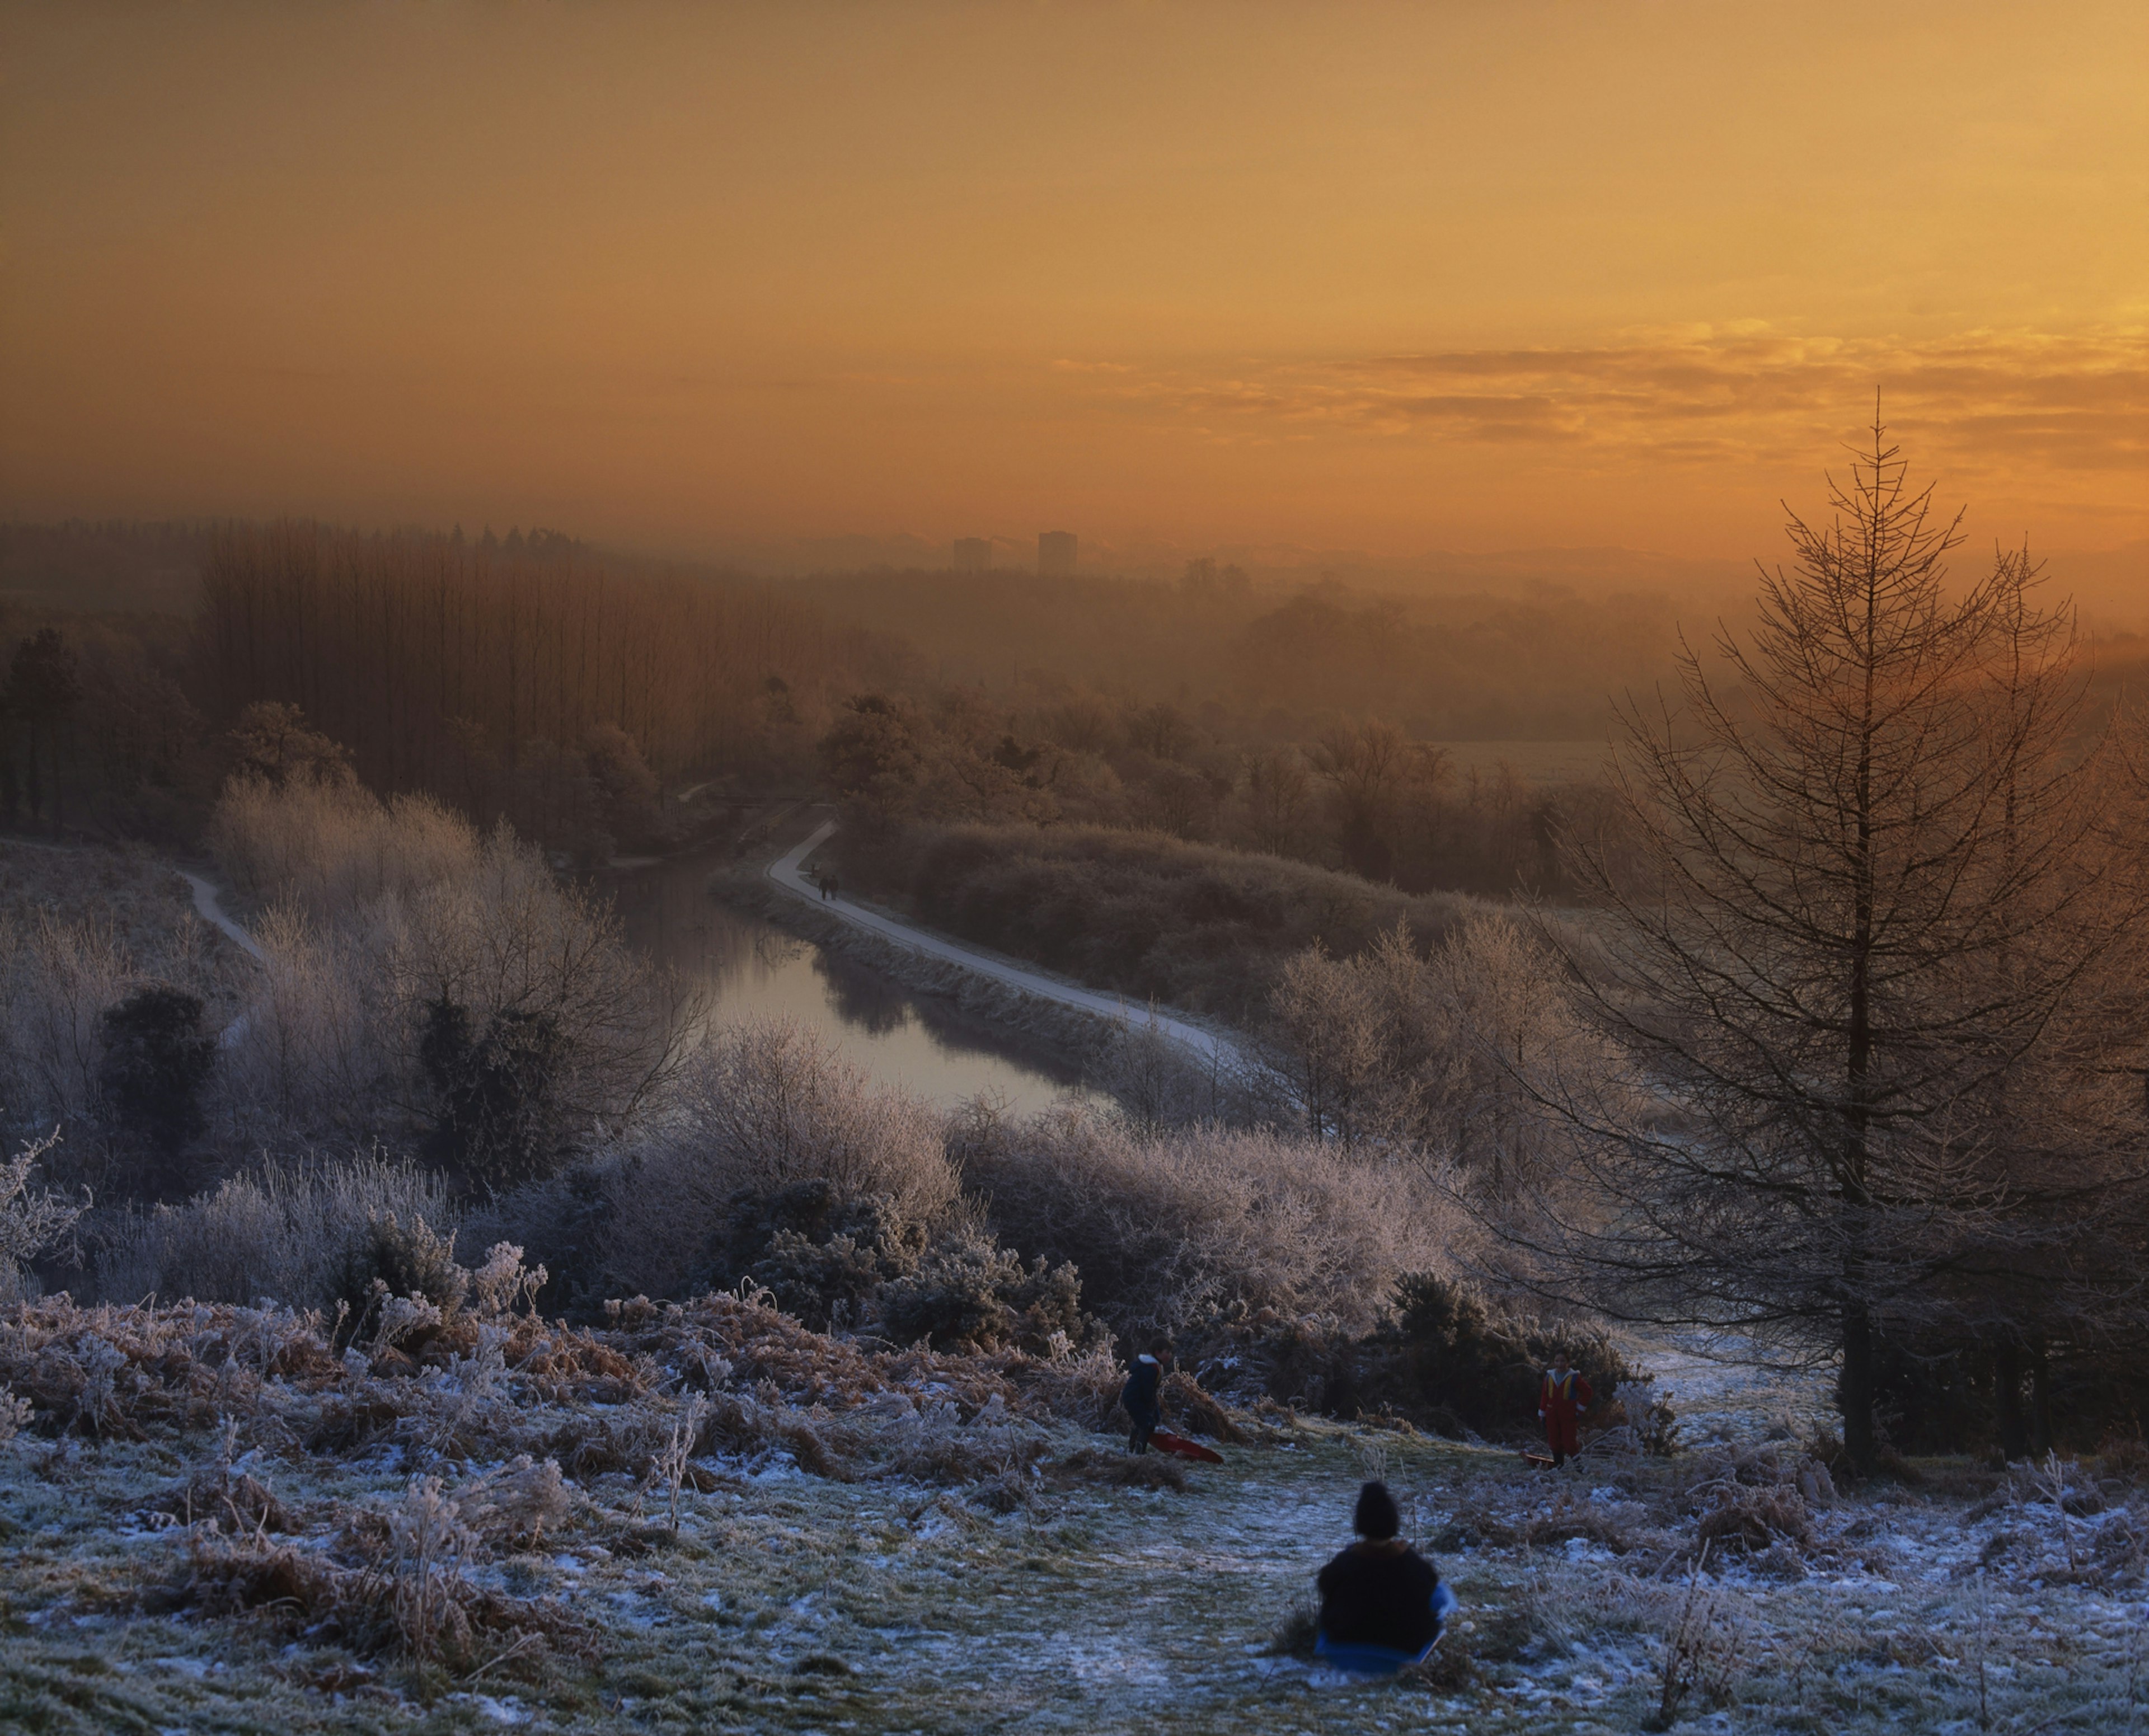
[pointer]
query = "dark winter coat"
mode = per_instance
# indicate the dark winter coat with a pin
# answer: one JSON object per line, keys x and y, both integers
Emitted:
{"x": 1379, "y": 1594}
{"x": 1139, "y": 1396}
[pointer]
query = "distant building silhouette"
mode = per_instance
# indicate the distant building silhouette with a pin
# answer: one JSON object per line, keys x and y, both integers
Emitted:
{"x": 1055, "y": 553}
{"x": 973, "y": 554}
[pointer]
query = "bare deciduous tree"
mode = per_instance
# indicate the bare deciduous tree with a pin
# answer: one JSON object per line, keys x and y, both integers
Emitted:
{"x": 1278, "y": 800}
{"x": 1876, "y": 876}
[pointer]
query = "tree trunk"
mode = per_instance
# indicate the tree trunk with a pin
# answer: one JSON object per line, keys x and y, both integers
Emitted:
{"x": 1855, "y": 1391}
{"x": 2040, "y": 1401}
{"x": 2007, "y": 1400}
{"x": 37, "y": 788}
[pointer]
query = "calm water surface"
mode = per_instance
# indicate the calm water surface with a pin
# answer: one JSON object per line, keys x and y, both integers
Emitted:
{"x": 748, "y": 968}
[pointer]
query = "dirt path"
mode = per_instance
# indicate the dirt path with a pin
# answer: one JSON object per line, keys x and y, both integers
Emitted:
{"x": 1211, "y": 1047}
{"x": 208, "y": 899}
{"x": 208, "y": 906}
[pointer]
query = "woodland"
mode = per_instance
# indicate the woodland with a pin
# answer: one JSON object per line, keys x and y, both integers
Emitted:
{"x": 1812, "y": 1026}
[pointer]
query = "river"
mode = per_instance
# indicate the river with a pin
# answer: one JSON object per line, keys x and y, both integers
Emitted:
{"x": 748, "y": 968}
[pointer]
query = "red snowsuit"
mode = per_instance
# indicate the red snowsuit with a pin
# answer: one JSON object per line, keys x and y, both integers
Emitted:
{"x": 1561, "y": 1401}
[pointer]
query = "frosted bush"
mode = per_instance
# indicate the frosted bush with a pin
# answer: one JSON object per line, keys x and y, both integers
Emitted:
{"x": 1170, "y": 1228}
{"x": 503, "y": 1283}
{"x": 293, "y": 1231}
{"x": 317, "y": 1028}
{"x": 765, "y": 1105}
{"x": 329, "y": 850}
{"x": 1444, "y": 1053}
{"x": 30, "y": 1223}
{"x": 376, "y": 913}
{"x": 56, "y": 978}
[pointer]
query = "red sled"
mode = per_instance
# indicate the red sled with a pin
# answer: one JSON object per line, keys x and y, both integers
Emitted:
{"x": 1180, "y": 1447}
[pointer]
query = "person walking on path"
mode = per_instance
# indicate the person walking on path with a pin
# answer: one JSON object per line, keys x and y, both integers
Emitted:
{"x": 1142, "y": 1397}
{"x": 1562, "y": 1399}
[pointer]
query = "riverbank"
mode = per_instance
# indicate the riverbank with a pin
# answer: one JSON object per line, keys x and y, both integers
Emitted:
{"x": 1209, "y": 1047}
{"x": 1152, "y": 1076}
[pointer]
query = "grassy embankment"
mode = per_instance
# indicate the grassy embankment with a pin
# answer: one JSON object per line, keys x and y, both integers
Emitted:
{"x": 1193, "y": 926}
{"x": 871, "y": 1543}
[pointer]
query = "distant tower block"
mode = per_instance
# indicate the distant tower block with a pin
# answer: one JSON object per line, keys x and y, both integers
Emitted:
{"x": 1055, "y": 553}
{"x": 973, "y": 554}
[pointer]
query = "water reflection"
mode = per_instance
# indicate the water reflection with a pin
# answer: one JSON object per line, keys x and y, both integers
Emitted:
{"x": 748, "y": 968}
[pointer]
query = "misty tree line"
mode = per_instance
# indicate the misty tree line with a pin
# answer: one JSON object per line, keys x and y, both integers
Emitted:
{"x": 490, "y": 675}
{"x": 513, "y": 679}
{"x": 1278, "y": 659}
{"x": 1360, "y": 794}
{"x": 517, "y": 679}
{"x": 94, "y": 726}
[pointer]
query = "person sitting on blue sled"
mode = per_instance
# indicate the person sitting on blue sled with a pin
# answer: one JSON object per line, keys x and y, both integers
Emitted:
{"x": 1381, "y": 1602}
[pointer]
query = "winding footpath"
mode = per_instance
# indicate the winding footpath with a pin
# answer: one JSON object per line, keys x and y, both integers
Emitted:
{"x": 210, "y": 907}
{"x": 208, "y": 900}
{"x": 1208, "y": 1047}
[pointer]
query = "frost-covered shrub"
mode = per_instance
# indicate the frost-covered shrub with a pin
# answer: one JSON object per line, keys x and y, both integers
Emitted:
{"x": 317, "y": 1036}
{"x": 82, "y": 931}
{"x": 818, "y": 1254}
{"x": 764, "y": 1106}
{"x": 818, "y": 1281}
{"x": 825, "y": 1259}
{"x": 56, "y": 978}
{"x": 300, "y": 1232}
{"x": 31, "y": 1224}
{"x": 404, "y": 1259}
{"x": 1462, "y": 1354}
{"x": 330, "y": 848}
{"x": 418, "y": 980}
{"x": 1173, "y": 1230}
{"x": 968, "y": 1294}
{"x": 561, "y": 1222}
{"x": 1442, "y": 1049}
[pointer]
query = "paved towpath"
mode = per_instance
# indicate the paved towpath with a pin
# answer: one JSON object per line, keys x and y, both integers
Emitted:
{"x": 210, "y": 907}
{"x": 1211, "y": 1047}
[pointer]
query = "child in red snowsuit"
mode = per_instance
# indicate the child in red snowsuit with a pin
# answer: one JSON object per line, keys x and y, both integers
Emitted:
{"x": 1561, "y": 1401}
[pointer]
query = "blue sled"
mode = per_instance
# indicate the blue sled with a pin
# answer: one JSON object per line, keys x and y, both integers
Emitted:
{"x": 1383, "y": 1660}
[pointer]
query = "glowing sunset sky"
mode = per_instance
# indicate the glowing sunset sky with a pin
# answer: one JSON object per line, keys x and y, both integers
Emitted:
{"x": 1459, "y": 275}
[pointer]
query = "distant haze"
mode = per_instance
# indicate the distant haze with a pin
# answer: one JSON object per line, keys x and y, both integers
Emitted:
{"x": 828, "y": 285}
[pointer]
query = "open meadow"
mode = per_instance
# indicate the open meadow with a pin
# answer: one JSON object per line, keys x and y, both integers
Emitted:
{"x": 708, "y": 1518}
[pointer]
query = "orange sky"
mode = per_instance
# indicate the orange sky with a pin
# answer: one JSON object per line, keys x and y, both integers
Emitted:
{"x": 1390, "y": 278}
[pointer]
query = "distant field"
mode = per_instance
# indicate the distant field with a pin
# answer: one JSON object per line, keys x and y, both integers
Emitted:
{"x": 1539, "y": 761}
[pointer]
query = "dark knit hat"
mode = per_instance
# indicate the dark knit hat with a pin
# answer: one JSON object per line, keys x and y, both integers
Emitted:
{"x": 1377, "y": 1518}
